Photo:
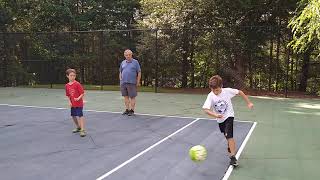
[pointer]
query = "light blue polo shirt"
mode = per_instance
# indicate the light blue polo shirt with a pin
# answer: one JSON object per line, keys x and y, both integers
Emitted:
{"x": 129, "y": 71}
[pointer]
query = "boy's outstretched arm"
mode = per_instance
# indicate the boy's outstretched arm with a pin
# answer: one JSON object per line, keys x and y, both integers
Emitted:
{"x": 210, "y": 113}
{"x": 245, "y": 97}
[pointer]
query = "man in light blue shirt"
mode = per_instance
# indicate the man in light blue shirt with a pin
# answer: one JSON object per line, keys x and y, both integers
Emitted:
{"x": 130, "y": 75}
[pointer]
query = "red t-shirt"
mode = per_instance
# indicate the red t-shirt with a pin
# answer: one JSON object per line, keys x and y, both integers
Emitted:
{"x": 74, "y": 91}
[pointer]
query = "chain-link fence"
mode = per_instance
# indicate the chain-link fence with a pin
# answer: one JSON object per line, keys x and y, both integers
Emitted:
{"x": 251, "y": 57}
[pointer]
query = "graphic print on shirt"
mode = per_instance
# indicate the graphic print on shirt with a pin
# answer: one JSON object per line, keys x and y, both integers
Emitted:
{"x": 220, "y": 106}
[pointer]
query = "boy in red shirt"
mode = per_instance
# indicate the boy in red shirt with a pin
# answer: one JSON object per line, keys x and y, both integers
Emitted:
{"x": 75, "y": 93}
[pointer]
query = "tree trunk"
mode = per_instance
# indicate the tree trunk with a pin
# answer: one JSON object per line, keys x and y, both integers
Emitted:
{"x": 277, "y": 60}
{"x": 184, "y": 81}
{"x": 270, "y": 65}
{"x": 250, "y": 71}
{"x": 239, "y": 74}
{"x": 184, "y": 70}
{"x": 218, "y": 69}
{"x": 287, "y": 72}
{"x": 305, "y": 71}
{"x": 192, "y": 85}
{"x": 296, "y": 72}
{"x": 291, "y": 73}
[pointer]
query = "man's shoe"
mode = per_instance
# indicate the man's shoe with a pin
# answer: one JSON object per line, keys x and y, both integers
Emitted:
{"x": 126, "y": 112}
{"x": 131, "y": 112}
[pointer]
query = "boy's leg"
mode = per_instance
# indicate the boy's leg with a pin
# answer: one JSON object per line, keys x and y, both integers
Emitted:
{"x": 77, "y": 129}
{"x": 231, "y": 142}
{"x": 82, "y": 131}
{"x": 77, "y": 113}
{"x": 228, "y": 133}
{"x": 80, "y": 118}
{"x": 222, "y": 127}
{"x": 81, "y": 122}
{"x": 75, "y": 120}
{"x": 232, "y": 146}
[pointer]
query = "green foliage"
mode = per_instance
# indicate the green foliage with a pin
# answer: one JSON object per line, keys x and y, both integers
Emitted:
{"x": 306, "y": 26}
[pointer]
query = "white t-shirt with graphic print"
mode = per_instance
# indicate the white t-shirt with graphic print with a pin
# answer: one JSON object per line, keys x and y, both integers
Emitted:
{"x": 221, "y": 104}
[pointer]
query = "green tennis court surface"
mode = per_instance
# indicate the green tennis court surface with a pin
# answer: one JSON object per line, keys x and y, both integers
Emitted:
{"x": 283, "y": 145}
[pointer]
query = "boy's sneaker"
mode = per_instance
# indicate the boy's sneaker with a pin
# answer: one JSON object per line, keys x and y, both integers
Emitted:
{"x": 131, "y": 112}
{"x": 76, "y": 130}
{"x": 126, "y": 112}
{"x": 83, "y": 133}
{"x": 233, "y": 161}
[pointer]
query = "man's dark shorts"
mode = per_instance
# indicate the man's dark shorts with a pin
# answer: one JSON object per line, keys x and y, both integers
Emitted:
{"x": 226, "y": 127}
{"x": 128, "y": 89}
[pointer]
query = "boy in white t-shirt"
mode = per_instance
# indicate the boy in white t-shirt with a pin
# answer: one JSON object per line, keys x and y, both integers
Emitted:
{"x": 219, "y": 106}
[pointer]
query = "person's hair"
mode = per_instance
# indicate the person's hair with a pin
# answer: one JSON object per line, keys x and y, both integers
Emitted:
{"x": 128, "y": 51}
{"x": 215, "y": 82}
{"x": 68, "y": 71}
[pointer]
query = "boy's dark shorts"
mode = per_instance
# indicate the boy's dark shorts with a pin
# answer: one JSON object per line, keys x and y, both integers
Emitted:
{"x": 128, "y": 89}
{"x": 226, "y": 127}
{"x": 77, "y": 111}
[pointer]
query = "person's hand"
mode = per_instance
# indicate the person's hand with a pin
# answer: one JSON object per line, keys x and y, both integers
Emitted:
{"x": 138, "y": 84}
{"x": 219, "y": 116}
{"x": 77, "y": 99}
{"x": 250, "y": 105}
{"x": 70, "y": 104}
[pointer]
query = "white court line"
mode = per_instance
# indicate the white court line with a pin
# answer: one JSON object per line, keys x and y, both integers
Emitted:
{"x": 143, "y": 114}
{"x": 146, "y": 150}
{"x": 228, "y": 173}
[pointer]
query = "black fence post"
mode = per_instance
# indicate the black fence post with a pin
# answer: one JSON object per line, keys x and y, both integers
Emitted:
{"x": 156, "y": 68}
{"x": 5, "y": 61}
{"x": 101, "y": 61}
{"x": 51, "y": 66}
